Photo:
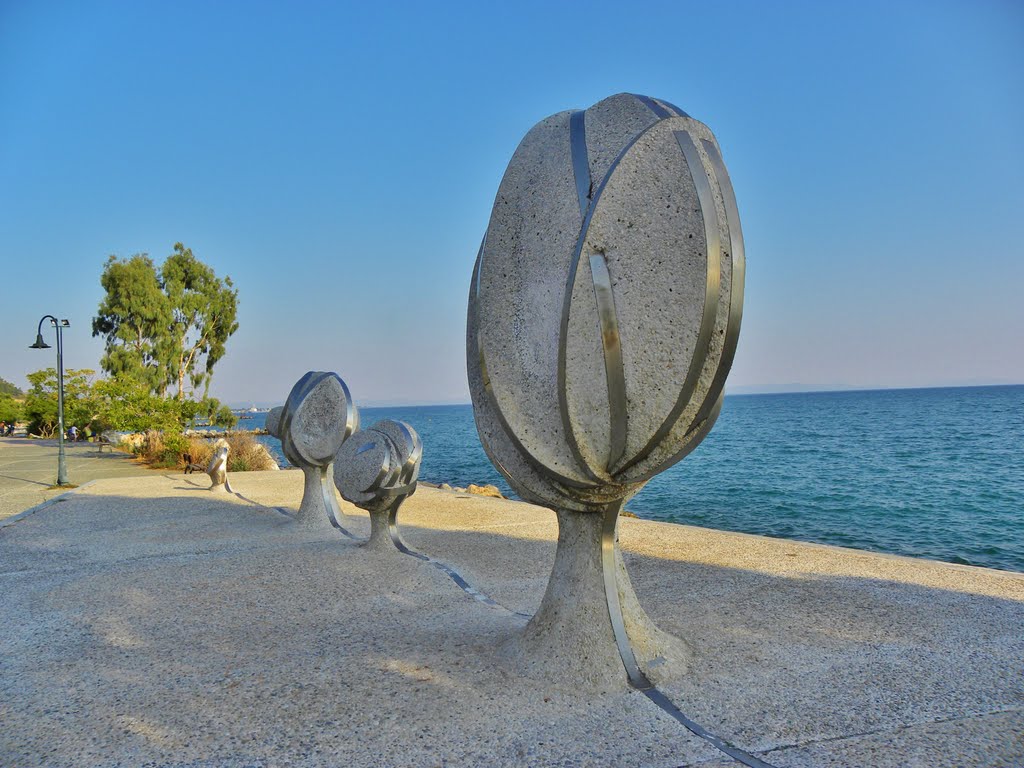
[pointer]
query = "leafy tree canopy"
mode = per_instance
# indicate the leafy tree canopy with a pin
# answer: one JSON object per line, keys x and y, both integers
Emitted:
{"x": 41, "y": 400}
{"x": 6, "y": 388}
{"x": 120, "y": 404}
{"x": 11, "y": 409}
{"x": 168, "y": 327}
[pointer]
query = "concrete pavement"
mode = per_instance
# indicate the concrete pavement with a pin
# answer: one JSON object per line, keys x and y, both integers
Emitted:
{"x": 145, "y": 621}
{"x": 29, "y": 467}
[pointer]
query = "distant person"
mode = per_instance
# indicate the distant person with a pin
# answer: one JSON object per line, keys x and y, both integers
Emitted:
{"x": 73, "y": 433}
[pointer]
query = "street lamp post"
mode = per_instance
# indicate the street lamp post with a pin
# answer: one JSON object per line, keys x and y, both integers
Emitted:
{"x": 60, "y": 325}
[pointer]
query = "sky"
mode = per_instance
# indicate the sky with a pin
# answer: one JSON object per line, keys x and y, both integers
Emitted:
{"x": 339, "y": 162}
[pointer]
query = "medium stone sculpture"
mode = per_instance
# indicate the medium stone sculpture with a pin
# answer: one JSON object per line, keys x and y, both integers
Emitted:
{"x": 603, "y": 316}
{"x": 377, "y": 470}
{"x": 218, "y": 467}
{"x": 315, "y": 421}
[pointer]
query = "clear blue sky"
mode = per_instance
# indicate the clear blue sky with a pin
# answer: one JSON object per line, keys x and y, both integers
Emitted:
{"x": 339, "y": 163}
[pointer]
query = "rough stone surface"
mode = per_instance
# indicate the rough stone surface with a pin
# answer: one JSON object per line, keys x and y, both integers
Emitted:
{"x": 170, "y": 627}
{"x": 485, "y": 490}
{"x": 603, "y": 307}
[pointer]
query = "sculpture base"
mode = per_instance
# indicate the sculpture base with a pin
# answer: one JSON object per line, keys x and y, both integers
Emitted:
{"x": 573, "y": 638}
{"x": 319, "y": 505}
{"x": 380, "y": 534}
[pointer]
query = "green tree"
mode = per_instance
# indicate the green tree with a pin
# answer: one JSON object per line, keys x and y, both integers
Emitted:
{"x": 80, "y": 406}
{"x": 165, "y": 327}
{"x": 6, "y": 388}
{"x": 11, "y": 407}
{"x": 204, "y": 309}
{"x": 11, "y": 410}
{"x": 120, "y": 404}
{"x": 134, "y": 317}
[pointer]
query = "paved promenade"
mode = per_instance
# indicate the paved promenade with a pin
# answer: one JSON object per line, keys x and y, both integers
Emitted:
{"x": 146, "y": 621}
{"x": 29, "y": 467}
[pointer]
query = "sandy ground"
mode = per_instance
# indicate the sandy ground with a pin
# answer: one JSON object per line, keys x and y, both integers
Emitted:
{"x": 147, "y": 621}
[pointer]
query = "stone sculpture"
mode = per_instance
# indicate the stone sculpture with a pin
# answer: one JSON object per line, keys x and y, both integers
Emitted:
{"x": 315, "y": 421}
{"x": 218, "y": 467}
{"x": 377, "y": 470}
{"x": 603, "y": 316}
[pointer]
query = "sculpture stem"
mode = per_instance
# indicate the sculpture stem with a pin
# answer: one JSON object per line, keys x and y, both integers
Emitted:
{"x": 590, "y": 629}
{"x": 319, "y": 507}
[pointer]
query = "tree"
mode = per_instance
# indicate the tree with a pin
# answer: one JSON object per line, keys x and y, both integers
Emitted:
{"x": 165, "y": 327}
{"x": 120, "y": 404}
{"x": 133, "y": 316}
{"x": 11, "y": 410}
{"x": 204, "y": 309}
{"x": 6, "y": 388}
{"x": 80, "y": 408}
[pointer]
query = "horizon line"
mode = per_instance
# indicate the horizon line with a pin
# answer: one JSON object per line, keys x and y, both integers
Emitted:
{"x": 768, "y": 392}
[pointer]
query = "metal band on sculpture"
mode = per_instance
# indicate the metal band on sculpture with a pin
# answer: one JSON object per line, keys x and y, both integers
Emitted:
{"x": 580, "y": 162}
{"x": 595, "y": 473}
{"x": 614, "y": 370}
{"x": 536, "y": 463}
{"x": 736, "y": 279}
{"x": 653, "y": 105}
{"x": 711, "y": 291}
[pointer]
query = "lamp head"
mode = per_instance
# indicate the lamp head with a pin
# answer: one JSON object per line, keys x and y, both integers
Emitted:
{"x": 40, "y": 344}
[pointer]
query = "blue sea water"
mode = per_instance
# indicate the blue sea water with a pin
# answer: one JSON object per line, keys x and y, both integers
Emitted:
{"x": 935, "y": 473}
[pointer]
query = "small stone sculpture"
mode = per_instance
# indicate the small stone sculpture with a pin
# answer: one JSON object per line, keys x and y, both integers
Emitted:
{"x": 316, "y": 419}
{"x": 377, "y": 470}
{"x": 603, "y": 316}
{"x": 218, "y": 468}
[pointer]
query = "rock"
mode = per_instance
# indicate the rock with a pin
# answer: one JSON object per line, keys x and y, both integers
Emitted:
{"x": 603, "y": 317}
{"x": 444, "y": 487}
{"x": 485, "y": 490}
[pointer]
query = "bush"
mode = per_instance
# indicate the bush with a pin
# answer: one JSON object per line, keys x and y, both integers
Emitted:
{"x": 170, "y": 449}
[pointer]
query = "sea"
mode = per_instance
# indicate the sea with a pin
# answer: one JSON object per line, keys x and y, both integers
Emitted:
{"x": 935, "y": 473}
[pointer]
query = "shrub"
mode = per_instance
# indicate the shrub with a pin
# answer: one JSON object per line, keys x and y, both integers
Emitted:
{"x": 170, "y": 449}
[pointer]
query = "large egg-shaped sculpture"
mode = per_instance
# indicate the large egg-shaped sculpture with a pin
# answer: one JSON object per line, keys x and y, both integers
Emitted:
{"x": 604, "y": 313}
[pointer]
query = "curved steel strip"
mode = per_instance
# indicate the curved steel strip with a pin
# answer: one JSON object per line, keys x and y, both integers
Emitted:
{"x": 563, "y": 333}
{"x": 738, "y": 255}
{"x": 454, "y": 575}
{"x": 614, "y": 371}
{"x": 291, "y": 403}
{"x": 652, "y": 105}
{"x": 673, "y": 107}
{"x": 712, "y": 286}
{"x": 580, "y": 161}
{"x": 492, "y": 399}
{"x": 334, "y": 513}
{"x": 637, "y": 677}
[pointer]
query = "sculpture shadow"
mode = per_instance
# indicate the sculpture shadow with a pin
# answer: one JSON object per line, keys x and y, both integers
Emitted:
{"x": 165, "y": 624}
